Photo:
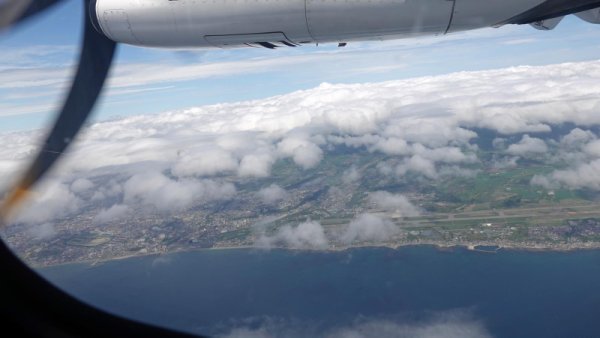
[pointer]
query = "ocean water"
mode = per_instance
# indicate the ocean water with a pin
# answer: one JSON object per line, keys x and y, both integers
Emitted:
{"x": 409, "y": 292}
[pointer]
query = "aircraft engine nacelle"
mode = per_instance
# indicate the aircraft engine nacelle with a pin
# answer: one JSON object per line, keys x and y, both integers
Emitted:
{"x": 270, "y": 23}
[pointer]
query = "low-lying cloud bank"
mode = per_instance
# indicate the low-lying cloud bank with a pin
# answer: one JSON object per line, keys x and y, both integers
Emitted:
{"x": 364, "y": 228}
{"x": 396, "y": 203}
{"x": 428, "y": 125}
{"x": 307, "y": 235}
{"x": 449, "y": 324}
{"x": 370, "y": 228}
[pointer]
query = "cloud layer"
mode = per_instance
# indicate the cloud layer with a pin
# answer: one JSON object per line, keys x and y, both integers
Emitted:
{"x": 449, "y": 324}
{"x": 364, "y": 228}
{"x": 426, "y": 126}
{"x": 307, "y": 235}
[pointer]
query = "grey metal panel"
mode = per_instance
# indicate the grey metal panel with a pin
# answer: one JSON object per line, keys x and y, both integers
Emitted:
{"x": 472, "y": 14}
{"x": 591, "y": 16}
{"x": 150, "y": 21}
{"x": 119, "y": 27}
{"x": 551, "y": 9}
{"x": 222, "y": 17}
{"x": 185, "y": 23}
{"x": 342, "y": 20}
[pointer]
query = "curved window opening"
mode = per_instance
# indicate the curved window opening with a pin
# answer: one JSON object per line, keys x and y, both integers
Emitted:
{"x": 409, "y": 187}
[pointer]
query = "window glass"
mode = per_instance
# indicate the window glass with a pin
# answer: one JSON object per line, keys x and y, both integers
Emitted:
{"x": 420, "y": 187}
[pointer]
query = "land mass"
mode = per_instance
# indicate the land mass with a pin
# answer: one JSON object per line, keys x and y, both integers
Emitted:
{"x": 490, "y": 201}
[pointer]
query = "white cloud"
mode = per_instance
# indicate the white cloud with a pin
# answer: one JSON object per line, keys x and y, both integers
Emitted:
{"x": 527, "y": 146}
{"x": 592, "y": 149}
{"x": 112, "y": 189}
{"x": 418, "y": 165}
{"x": 272, "y": 194}
{"x": 543, "y": 181}
{"x": 368, "y": 227}
{"x": 114, "y": 213}
{"x": 505, "y": 162}
{"x": 166, "y": 194}
{"x": 305, "y": 153}
{"x": 81, "y": 185}
{"x": 306, "y": 235}
{"x": 519, "y": 41}
{"x": 53, "y": 201}
{"x": 448, "y": 324}
{"x": 204, "y": 163}
{"x": 499, "y": 143}
{"x": 585, "y": 175}
{"x": 42, "y": 231}
{"x": 351, "y": 175}
{"x": 456, "y": 171}
{"x": 393, "y": 202}
{"x": 392, "y": 146}
{"x": 256, "y": 165}
{"x": 444, "y": 154}
{"x": 408, "y": 119}
{"x": 421, "y": 124}
{"x": 576, "y": 137}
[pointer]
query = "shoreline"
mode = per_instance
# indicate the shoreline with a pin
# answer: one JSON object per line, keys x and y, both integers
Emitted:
{"x": 394, "y": 246}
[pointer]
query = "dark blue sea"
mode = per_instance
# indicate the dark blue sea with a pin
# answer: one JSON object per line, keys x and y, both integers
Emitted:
{"x": 416, "y": 291}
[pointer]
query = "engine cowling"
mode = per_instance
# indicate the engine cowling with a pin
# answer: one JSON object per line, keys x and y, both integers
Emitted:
{"x": 222, "y": 23}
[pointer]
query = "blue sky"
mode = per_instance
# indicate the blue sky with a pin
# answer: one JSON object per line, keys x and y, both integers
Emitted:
{"x": 38, "y": 59}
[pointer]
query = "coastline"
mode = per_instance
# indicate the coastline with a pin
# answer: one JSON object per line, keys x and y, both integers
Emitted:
{"x": 442, "y": 246}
